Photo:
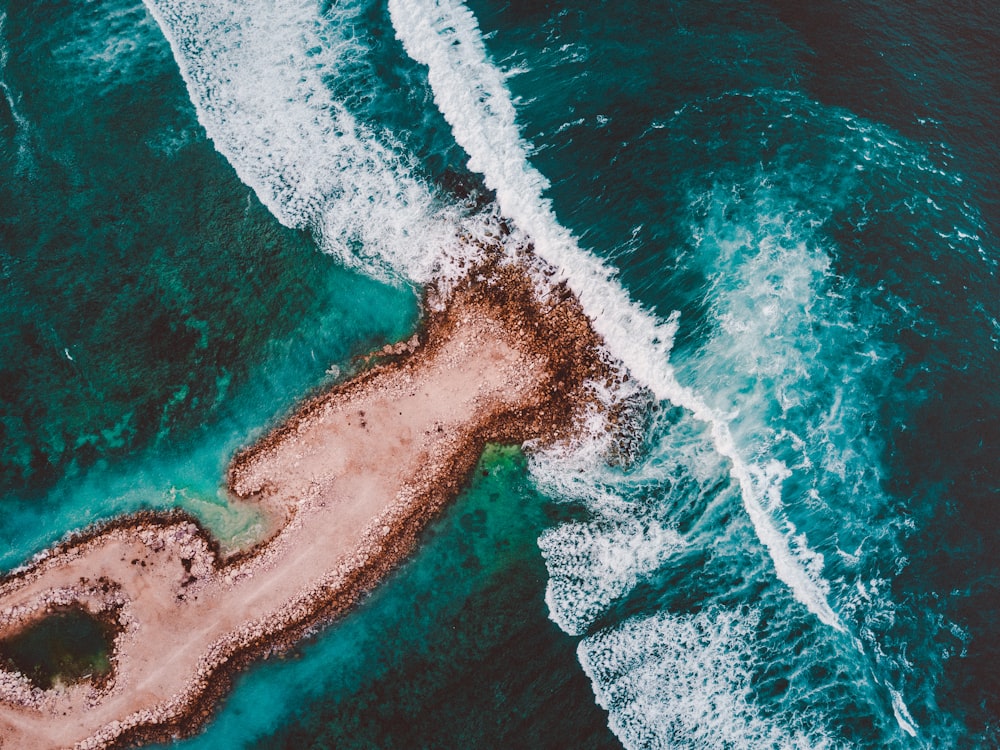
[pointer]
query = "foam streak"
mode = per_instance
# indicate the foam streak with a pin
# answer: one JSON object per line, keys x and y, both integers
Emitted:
{"x": 471, "y": 94}
{"x": 255, "y": 73}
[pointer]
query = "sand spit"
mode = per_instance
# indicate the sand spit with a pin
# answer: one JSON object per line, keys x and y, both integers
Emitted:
{"x": 352, "y": 477}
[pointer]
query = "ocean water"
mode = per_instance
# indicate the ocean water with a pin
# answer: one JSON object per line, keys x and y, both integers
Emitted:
{"x": 781, "y": 216}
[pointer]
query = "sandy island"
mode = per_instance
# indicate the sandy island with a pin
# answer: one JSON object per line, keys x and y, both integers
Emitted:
{"x": 349, "y": 480}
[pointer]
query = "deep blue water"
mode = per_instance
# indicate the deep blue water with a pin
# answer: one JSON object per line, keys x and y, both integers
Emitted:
{"x": 205, "y": 206}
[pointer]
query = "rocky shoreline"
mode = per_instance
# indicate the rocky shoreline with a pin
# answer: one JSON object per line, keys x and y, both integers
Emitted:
{"x": 537, "y": 357}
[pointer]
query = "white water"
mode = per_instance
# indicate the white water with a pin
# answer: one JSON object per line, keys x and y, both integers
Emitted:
{"x": 471, "y": 94}
{"x": 592, "y": 564}
{"x": 630, "y": 534}
{"x": 254, "y": 70}
{"x": 256, "y": 76}
{"x": 671, "y": 681}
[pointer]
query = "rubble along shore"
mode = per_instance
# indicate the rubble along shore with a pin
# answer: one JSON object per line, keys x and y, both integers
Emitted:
{"x": 351, "y": 477}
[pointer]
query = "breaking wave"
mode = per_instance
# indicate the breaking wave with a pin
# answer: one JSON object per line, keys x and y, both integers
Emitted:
{"x": 470, "y": 92}
{"x": 256, "y": 73}
{"x": 751, "y": 430}
{"x": 673, "y": 681}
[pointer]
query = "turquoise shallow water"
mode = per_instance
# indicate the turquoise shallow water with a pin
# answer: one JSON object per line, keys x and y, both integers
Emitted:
{"x": 205, "y": 206}
{"x": 143, "y": 286}
{"x": 437, "y": 656}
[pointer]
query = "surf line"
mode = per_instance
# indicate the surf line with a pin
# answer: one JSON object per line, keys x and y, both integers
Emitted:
{"x": 256, "y": 73}
{"x": 472, "y": 96}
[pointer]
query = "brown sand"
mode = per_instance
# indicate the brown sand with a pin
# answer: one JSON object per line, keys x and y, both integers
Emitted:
{"x": 350, "y": 478}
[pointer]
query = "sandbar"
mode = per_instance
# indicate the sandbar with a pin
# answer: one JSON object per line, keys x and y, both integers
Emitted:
{"x": 349, "y": 480}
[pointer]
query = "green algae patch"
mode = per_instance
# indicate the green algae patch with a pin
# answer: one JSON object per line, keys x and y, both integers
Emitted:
{"x": 64, "y": 647}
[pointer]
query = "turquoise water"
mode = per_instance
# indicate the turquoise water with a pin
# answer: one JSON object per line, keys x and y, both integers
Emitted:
{"x": 205, "y": 206}
{"x": 437, "y": 656}
{"x": 156, "y": 316}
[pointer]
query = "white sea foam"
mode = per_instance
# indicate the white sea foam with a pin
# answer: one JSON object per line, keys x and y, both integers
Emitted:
{"x": 592, "y": 564}
{"x": 787, "y": 345}
{"x": 902, "y": 713}
{"x": 685, "y": 681}
{"x": 4, "y": 56}
{"x": 631, "y": 533}
{"x": 471, "y": 94}
{"x": 255, "y": 72}
{"x": 257, "y": 75}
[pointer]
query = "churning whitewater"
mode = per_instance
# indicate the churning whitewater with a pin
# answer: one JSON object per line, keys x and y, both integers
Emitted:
{"x": 746, "y": 436}
{"x": 256, "y": 73}
{"x": 470, "y": 93}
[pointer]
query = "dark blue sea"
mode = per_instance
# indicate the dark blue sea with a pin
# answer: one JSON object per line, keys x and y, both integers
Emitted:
{"x": 783, "y": 217}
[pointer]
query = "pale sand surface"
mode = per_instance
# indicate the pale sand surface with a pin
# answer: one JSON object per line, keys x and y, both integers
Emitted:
{"x": 350, "y": 478}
